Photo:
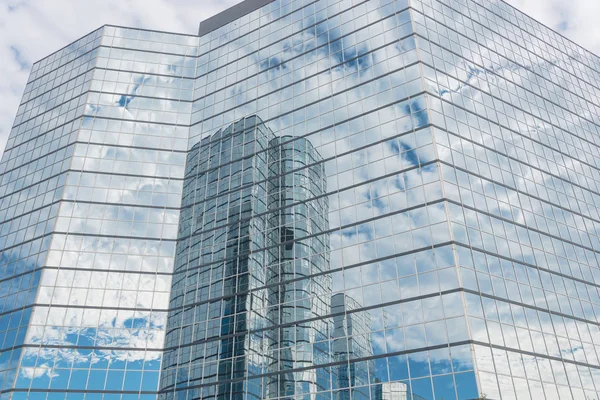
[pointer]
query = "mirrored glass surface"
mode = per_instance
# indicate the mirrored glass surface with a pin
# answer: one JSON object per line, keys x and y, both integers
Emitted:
{"x": 325, "y": 200}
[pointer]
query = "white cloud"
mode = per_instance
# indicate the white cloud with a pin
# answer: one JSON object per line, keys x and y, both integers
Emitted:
{"x": 33, "y": 29}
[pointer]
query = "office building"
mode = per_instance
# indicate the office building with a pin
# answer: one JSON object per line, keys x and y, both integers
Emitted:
{"x": 309, "y": 199}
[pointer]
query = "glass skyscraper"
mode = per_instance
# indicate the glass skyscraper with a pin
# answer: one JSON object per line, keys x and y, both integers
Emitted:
{"x": 309, "y": 199}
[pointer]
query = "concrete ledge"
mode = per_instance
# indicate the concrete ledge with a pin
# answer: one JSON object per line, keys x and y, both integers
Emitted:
{"x": 229, "y": 15}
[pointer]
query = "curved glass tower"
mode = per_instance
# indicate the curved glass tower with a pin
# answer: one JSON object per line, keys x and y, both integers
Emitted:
{"x": 309, "y": 199}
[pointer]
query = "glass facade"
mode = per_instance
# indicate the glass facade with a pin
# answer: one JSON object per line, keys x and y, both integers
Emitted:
{"x": 92, "y": 183}
{"x": 515, "y": 113}
{"x": 33, "y": 176}
{"x": 318, "y": 199}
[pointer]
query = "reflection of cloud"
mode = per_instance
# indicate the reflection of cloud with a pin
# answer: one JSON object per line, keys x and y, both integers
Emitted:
{"x": 538, "y": 333}
{"x": 302, "y": 90}
{"x": 361, "y": 196}
{"x": 38, "y": 371}
{"x": 134, "y": 330}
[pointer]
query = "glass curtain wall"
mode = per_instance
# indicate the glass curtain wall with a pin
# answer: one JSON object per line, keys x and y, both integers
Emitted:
{"x": 33, "y": 175}
{"x": 98, "y": 322}
{"x": 515, "y": 113}
{"x": 324, "y": 200}
{"x": 315, "y": 257}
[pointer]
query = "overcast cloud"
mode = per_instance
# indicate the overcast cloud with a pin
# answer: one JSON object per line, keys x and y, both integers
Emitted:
{"x": 32, "y": 29}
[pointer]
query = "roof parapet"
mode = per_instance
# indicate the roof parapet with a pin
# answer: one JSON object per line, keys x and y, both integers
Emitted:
{"x": 229, "y": 15}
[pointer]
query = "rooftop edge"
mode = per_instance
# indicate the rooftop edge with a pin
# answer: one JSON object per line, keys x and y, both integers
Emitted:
{"x": 229, "y": 15}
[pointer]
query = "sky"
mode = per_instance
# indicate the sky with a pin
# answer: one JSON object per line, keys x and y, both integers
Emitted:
{"x": 32, "y": 29}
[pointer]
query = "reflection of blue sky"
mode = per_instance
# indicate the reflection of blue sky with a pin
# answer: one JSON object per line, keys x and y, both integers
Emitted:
{"x": 95, "y": 308}
{"x": 542, "y": 127}
{"x": 288, "y": 48}
{"x": 363, "y": 192}
{"x": 135, "y": 331}
{"x": 24, "y": 240}
{"x": 395, "y": 160}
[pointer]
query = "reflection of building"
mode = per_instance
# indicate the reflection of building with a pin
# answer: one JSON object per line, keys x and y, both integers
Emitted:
{"x": 352, "y": 350}
{"x": 351, "y": 341}
{"x": 295, "y": 176}
{"x": 393, "y": 391}
{"x": 246, "y": 222}
{"x": 222, "y": 222}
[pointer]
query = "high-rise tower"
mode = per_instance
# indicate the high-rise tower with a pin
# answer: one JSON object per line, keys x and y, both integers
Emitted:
{"x": 310, "y": 199}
